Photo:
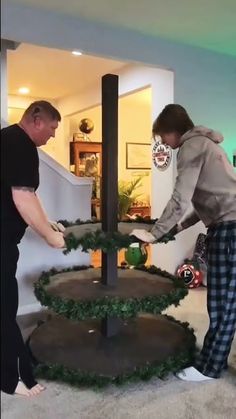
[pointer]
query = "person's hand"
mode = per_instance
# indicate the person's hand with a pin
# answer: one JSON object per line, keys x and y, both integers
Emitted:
{"x": 57, "y": 226}
{"x": 170, "y": 236}
{"x": 178, "y": 228}
{"x": 166, "y": 238}
{"x": 55, "y": 239}
{"x": 143, "y": 235}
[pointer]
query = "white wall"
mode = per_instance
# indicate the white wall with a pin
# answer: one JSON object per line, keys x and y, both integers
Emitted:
{"x": 64, "y": 196}
{"x": 135, "y": 125}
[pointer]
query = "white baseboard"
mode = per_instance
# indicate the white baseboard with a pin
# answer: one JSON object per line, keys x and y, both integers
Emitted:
{"x": 29, "y": 308}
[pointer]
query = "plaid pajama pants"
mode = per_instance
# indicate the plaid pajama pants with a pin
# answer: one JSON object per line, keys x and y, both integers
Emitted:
{"x": 221, "y": 299}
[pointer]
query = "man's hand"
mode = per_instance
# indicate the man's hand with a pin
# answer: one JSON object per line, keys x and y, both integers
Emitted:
{"x": 30, "y": 209}
{"x": 55, "y": 239}
{"x": 143, "y": 235}
{"x": 57, "y": 226}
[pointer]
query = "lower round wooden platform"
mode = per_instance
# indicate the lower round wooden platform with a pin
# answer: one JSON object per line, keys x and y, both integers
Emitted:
{"x": 152, "y": 344}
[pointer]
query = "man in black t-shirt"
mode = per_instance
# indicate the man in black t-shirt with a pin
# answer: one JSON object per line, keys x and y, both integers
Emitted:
{"x": 20, "y": 207}
{"x": 20, "y": 166}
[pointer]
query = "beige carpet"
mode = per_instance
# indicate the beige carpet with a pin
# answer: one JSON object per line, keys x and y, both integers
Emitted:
{"x": 154, "y": 400}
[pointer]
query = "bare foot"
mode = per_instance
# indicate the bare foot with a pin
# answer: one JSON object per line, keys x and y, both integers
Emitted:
{"x": 22, "y": 390}
{"x": 36, "y": 390}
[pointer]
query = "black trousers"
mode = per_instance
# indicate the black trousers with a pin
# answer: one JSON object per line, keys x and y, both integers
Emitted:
{"x": 15, "y": 360}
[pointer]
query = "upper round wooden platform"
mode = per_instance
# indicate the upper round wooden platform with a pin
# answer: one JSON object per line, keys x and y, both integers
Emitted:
{"x": 86, "y": 285}
{"x": 123, "y": 227}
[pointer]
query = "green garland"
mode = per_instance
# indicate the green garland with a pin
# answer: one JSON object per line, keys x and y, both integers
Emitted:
{"x": 79, "y": 378}
{"x": 98, "y": 240}
{"x": 113, "y": 306}
{"x": 107, "y": 242}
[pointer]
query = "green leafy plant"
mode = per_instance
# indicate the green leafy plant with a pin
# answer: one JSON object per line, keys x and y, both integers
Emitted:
{"x": 127, "y": 195}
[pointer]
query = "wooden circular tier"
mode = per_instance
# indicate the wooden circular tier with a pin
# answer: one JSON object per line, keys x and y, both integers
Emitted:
{"x": 77, "y": 352}
{"x": 123, "y": 227}
{"x": 80, "y": 295}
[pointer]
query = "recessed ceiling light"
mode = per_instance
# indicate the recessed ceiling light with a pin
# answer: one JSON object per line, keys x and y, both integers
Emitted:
{"x": 76, "y": 53}
{"x": 23, "y": 90}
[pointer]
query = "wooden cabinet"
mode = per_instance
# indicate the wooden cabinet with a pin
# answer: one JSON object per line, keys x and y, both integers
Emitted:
{"x": 86, "y": 157}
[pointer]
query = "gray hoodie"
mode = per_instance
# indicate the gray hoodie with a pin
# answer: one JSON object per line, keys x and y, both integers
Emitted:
{"x": 206, "y": 178}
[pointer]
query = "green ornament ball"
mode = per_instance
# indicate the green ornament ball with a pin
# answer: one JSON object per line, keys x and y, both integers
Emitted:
{"x": 136, "y": 254}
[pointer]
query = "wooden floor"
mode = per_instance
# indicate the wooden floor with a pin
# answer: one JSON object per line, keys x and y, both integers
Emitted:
{"x": 96, "y": 257}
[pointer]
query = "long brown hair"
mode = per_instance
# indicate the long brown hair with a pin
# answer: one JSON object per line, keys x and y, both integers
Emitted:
{"x": 173, "y": 118}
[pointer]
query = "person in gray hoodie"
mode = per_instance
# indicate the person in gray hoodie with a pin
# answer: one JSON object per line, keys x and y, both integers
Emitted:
{"x": 206, "y": 179}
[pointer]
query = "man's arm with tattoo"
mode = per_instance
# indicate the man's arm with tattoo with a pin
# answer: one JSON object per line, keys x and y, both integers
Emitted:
{"x": 30, "y": 209}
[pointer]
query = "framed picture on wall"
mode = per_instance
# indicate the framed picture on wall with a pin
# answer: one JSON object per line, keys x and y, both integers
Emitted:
{"x": 138, "y": 156}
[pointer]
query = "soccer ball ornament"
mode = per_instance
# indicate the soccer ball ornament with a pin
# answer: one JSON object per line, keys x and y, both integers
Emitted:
{"x": 191, "y": 274}
{"x": 136, "y": 254}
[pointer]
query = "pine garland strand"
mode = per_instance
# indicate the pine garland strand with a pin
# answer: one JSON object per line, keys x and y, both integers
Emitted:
{"x": 78, "y": 378}
{"x": 113, "y": 306}
{"x": 106, "y": 242}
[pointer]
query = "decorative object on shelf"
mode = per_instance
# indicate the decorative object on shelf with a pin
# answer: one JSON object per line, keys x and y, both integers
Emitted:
{"x": 161, "y": 156}
{"x": 78, "y": 136}
{"x": 86, "y": 126}
{"x": 87, "y": 158}
{"x": 136, "y": 254}
{"x": 91, "y": 166}
{"x": 138, "y": 156}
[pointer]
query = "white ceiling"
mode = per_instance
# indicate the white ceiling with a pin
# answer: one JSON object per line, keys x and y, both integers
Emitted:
{"x": 51, "y": 73}
{"x": 208, "y": 24}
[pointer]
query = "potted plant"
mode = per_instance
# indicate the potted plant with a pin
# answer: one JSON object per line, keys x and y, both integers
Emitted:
{"x": 127, "y": 196}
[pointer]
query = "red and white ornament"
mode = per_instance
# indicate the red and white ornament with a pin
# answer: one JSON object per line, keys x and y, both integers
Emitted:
{"x": 191, "y": 276}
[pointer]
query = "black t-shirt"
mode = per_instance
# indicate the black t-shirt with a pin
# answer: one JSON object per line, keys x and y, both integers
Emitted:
{"x": 19, "y": 167}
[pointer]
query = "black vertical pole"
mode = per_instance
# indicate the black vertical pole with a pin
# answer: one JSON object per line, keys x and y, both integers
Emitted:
{"x": 109, "y": 184}
{"x": 109, "y": 171}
